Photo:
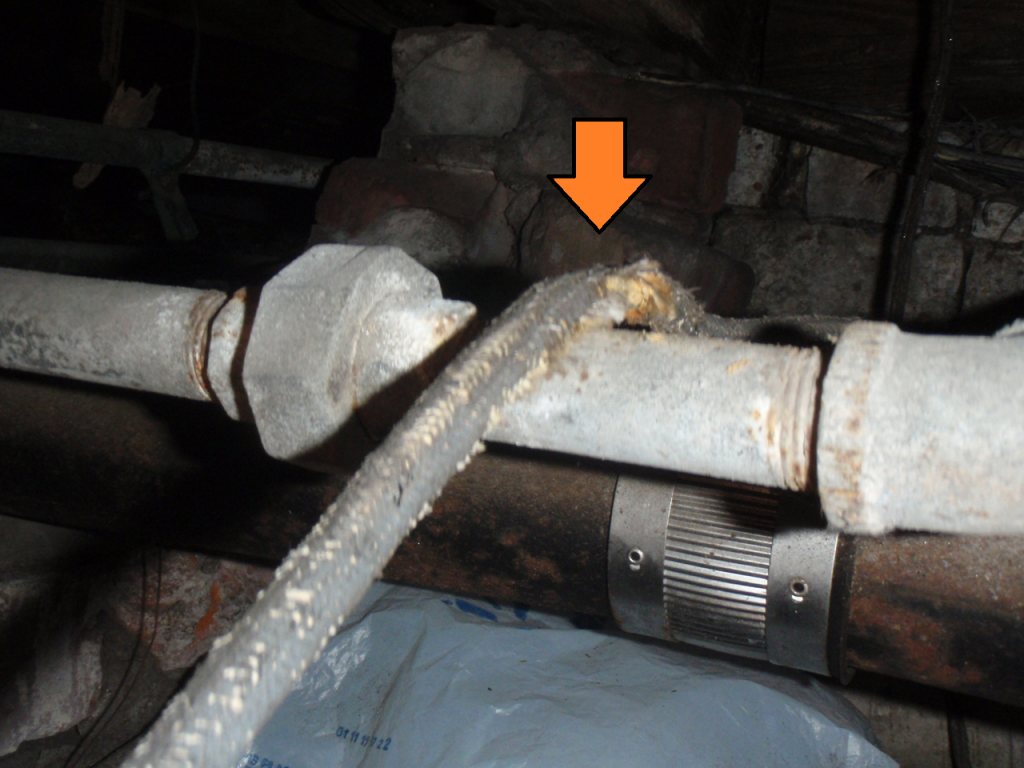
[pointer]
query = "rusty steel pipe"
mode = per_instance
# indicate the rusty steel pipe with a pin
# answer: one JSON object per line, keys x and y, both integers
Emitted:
{"x": 123, "y": 334}
{"x": 517, "y": 528}
{"x": 522, "y": 527}
{"x": 153, "y": 150}
{"x": 946, "y": 611}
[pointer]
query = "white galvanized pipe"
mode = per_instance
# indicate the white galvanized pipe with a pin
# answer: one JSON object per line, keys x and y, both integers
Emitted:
{"x": 923, "y": 433}
{"x": 726, "y": 409}
{"x": 125, "y": 334}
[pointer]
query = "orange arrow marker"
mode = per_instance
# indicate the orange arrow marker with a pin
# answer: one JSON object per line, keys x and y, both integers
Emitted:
{"x": 599, "y": 186}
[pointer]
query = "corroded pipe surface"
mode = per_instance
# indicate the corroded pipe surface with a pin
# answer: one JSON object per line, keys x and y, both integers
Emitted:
{"x": 713, "y": 407}
{"x": 524, "y": 527}
{"x": 511, "y": 527}
{"x": 922, "y": 433}
{"x": 946, "y": 611}
{"x": 249, "y": 674}
{"x": 516, "y": 529}
{"x": 124, "y": 334}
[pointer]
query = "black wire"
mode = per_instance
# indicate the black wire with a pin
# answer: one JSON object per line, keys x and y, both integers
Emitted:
{"x": 138, "y": 669}
{"x": 898, "y": 286}
{"x": 103, "y": 717}
{"x": 752, "y": 90}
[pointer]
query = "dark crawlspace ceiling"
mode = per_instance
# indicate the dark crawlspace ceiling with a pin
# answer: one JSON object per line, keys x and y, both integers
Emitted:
{"x": 314, "y": 77}
{"x": 274, "y": 76}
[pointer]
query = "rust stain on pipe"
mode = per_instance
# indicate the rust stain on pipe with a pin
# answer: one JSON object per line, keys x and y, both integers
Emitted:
{"x": 200, "y": 318}
{"x": 516, "y": 529}
{"x": 946, "y": 611}
{"x": 649, "y": 292}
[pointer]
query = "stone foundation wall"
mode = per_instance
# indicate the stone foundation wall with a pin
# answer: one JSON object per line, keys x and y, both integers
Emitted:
{"x": 813, "y": 225}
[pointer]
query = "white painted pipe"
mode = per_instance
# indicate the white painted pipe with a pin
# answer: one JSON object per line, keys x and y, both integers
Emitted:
{"x": 727, "y": 409}
{"x": 923, "y": 433}
{"x": 125, "y": 334}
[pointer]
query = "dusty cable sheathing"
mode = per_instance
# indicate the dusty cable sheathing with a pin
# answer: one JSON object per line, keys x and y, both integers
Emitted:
{"x": 251, "y": 669}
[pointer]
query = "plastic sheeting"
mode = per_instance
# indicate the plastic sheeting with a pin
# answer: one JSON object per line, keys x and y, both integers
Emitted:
{"x": 416, "y": 678}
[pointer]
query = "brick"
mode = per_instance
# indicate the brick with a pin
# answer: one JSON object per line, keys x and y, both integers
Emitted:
{"x": 442, "y": 218}
{"x": 360, "y": 190}
{"x": 685, "y": 140}
{"x": 505, "y": 100}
